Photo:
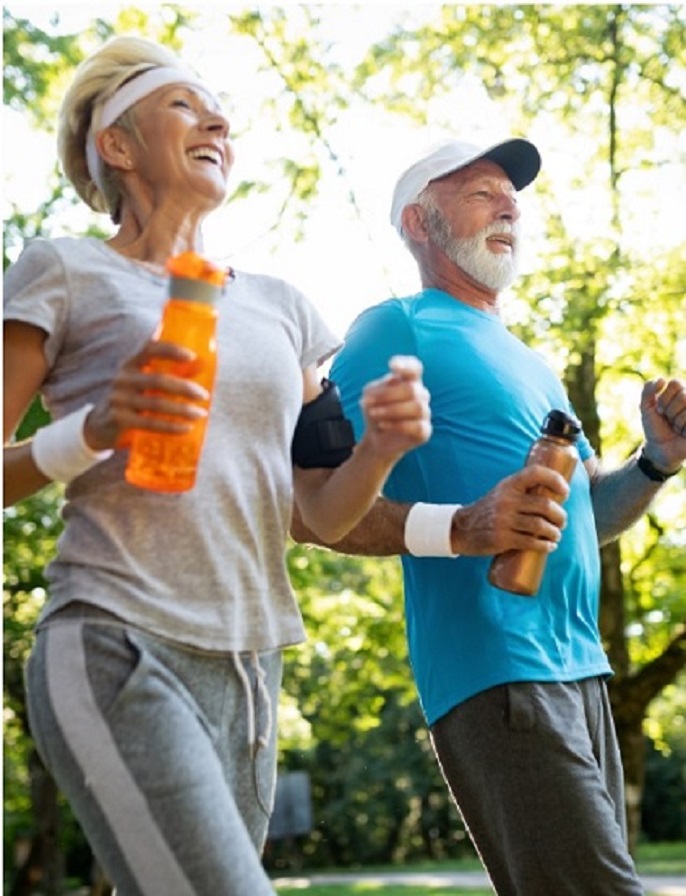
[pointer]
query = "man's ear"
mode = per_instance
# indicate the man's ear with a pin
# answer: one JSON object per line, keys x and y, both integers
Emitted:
{"x": 414, "y": 223}
{"x": 115, "y": 148}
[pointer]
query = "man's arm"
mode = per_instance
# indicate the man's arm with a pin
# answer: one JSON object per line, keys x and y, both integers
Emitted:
{"x": 620, "y": 497}
{"x": 507, "y": 517}
{"x": 379, "y": 534}
{"x": 511, "y": 517}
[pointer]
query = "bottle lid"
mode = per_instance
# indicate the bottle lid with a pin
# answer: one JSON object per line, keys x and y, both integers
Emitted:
{"x": 558, "y": 423}
{"x": 194, "y": 277}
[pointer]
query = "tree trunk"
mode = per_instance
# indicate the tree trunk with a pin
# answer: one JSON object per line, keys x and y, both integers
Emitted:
{"x": 630, "y": 696}
{"x": 581, "y": 381}
{"x": 632, "y": 746}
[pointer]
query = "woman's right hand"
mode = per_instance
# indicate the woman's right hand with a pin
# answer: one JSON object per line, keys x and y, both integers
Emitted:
{"x": 145, "y": 395}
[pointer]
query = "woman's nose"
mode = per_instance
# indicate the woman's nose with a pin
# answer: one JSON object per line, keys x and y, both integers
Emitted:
{"x": 217, "y": 122}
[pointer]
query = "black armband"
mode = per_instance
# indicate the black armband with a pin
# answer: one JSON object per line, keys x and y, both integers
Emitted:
{"x": 323, "y": 436}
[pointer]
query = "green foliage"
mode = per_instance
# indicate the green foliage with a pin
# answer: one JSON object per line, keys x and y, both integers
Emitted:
{"x": 666, "y": 727}
{"x": 30, "y": 531}
{"x": 663, "y": 813}
{"x": 375, "y": 782}
{"x": 167, "y": 23}
{"x": 661, "y": 858}
{"x": 356, "y": 650}
{"x": 594, "y": 297}
{"x": 22, "y": 225}
{"x": 35, "y": 64}
{"x": 310, "y": 90}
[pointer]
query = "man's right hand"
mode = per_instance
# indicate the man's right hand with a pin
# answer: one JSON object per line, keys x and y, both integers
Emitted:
{"x": 522, "y": 512}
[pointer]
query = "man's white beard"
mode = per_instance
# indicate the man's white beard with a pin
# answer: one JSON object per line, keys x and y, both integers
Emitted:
{"x": 472, "y": 255}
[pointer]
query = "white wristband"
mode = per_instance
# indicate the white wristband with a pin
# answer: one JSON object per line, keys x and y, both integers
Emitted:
{"x": 427, "y": 530}
{"x": 60, "y": 451}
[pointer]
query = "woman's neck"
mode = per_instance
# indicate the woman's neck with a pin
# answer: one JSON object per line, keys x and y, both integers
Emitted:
{"x": 156, "y": 238}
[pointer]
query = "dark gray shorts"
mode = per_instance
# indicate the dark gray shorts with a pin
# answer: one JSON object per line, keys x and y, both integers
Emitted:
{"x": 535, "y": 771}
{"x": 149, "y": 741}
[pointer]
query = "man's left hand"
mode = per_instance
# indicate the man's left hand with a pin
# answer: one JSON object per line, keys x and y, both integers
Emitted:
{"x": 663, "y": 413}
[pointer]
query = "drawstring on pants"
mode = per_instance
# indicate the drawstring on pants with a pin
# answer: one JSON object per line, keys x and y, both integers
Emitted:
{"x": 256, "y": 740}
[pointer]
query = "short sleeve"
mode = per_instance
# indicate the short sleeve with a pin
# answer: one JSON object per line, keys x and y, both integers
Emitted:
{"x": 35, "y": 292}
{"x": 373, "y": 339}
{"x": 318, "y": 341}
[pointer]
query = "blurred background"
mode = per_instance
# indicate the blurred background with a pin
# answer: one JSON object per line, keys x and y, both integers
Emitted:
{"x": 328, "y": 103}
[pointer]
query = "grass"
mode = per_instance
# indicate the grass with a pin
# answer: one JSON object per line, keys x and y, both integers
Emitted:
{"x": 386, "y": 889}
{"x": 662, "y": 858}
{"x": 652, "y": 858}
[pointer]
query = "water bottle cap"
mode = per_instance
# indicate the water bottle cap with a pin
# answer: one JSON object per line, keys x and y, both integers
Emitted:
{"x": 558, "y": 423}
{"x": 194, "y": 290}
{"x": 196, "y": 278}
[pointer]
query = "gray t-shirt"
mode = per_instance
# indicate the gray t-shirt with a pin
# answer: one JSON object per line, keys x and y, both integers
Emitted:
{"x": 204, "y": 567}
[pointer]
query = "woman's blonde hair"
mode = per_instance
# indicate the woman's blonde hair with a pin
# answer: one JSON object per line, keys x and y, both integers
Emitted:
{"x": 96, "y": 79}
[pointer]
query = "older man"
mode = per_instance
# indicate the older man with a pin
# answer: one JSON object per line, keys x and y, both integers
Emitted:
{"x": 513, "y": 688}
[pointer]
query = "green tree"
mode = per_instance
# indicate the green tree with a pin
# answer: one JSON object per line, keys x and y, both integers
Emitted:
{"x": 31, "y": 803}
{"x": 378, "y": 790}
{"x": 584, "y": 70}
{"x": 601, "y": 87}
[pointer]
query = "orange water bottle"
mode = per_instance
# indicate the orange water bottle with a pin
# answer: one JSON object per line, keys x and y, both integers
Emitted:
{"x": 520, "y": 572}
{"x": 167, "y": 462}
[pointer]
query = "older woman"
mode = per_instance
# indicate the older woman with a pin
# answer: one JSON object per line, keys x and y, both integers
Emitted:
{"x": 157, "y": 662}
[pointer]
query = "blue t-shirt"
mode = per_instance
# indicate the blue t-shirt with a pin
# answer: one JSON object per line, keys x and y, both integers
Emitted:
{"x": 489, "y": 397}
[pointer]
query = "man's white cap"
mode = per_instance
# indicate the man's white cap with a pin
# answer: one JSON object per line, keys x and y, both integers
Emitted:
{"x": 518, "y": 158}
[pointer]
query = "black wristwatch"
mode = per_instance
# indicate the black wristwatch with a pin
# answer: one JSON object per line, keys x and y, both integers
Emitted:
{"x": 648, "y": 468}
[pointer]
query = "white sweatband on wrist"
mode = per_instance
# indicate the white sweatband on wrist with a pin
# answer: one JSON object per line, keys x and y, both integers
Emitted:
{"x": 60, "y": 451}
{"x": 427, "y": 530}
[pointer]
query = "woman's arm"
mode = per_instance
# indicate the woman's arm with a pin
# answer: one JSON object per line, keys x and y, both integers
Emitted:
{"x": 135, "y": 400}
{"x": 396, "y": 408}
{"x": 24, "y": 369}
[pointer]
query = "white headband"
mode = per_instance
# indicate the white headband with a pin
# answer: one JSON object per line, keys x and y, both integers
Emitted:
{"x": 125, "y": 97}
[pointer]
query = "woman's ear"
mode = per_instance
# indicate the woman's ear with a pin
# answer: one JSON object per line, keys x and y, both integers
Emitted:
{"x": 115, "y": 148}
{"x": 414, "y": 223}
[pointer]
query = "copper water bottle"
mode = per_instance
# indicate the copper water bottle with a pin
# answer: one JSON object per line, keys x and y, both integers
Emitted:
{"x": 521, "y": 571}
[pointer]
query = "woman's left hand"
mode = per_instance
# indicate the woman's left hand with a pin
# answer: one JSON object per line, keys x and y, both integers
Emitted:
{"x": 397, "y": 409}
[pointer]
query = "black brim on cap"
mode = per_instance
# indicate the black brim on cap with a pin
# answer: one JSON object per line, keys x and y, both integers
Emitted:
{"x": 518, "y": 158}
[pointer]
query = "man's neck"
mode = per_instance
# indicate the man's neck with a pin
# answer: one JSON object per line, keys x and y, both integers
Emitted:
{"x": 461, "y": 286}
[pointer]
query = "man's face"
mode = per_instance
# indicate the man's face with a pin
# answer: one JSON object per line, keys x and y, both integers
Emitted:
{"x": 472, "y": 216}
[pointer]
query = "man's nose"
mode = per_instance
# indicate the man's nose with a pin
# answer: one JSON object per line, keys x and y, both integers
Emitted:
{"x": 509, "y": 210}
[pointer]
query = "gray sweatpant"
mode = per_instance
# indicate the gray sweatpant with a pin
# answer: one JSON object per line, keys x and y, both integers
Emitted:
{"x": 149, "y": 741}
{"x": 536, "y": 774}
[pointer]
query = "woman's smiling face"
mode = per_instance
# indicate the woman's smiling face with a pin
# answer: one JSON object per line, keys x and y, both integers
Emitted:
{"x": 185, "y": 146}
